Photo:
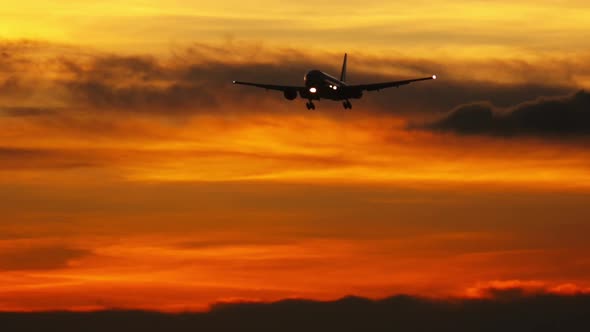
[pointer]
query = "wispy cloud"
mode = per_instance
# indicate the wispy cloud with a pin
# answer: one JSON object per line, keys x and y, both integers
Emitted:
{"x": 38, "y": 258}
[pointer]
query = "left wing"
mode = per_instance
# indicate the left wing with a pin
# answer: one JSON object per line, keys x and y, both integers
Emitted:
{"x": 379, "y": 86}
{"x": 271, "y": 86}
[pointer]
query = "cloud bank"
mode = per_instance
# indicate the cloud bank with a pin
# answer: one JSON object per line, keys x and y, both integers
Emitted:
{"x": 543, "y": 312}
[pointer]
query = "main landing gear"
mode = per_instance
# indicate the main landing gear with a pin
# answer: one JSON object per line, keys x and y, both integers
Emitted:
{"x": 310, "y": 105}
{"x": 347, "y": 104}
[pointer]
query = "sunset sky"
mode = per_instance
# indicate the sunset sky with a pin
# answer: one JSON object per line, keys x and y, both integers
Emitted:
{"x": 134, "y": 175}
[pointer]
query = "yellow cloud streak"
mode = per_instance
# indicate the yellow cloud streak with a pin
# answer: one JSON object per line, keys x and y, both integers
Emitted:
{"x": 472, "y": 26}
{"x": 302, "y": 148}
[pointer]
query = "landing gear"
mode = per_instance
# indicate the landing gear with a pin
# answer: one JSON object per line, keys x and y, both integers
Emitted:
{"x": 310, "y": 105}
{"x": 347, "y": 104}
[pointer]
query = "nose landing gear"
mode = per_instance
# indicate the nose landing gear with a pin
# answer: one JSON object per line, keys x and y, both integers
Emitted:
{"x": 310, "y": 105}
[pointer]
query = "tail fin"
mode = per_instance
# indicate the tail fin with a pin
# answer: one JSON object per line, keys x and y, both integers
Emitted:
{"x": 343, "y": 73}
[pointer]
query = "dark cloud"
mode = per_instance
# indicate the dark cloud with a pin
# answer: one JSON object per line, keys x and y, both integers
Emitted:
{"x": 41, "y": 258}
{"x": 146, "y": 67}
{"x": 445, "y": 94}
{"x": 25, "y": 111}
{"x": 142, "y": 84}
{"x": 553, "y": 117}
{"x": 26, "y": 159}
{"x": 173, "y": 99}
{"x": 400, "y": 313}
{"x": 15, "y": 88}
{"x": 192, "y": 85}
{"x": 198, "y": 79}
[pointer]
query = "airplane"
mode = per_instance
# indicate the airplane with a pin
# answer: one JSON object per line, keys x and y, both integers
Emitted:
{"x": 319, "y": 85}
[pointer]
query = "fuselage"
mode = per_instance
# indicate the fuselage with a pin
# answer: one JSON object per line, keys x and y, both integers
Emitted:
{"x": 320, "y": 85}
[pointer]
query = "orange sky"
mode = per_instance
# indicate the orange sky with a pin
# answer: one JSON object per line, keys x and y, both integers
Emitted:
{"x": 134, "y": 175}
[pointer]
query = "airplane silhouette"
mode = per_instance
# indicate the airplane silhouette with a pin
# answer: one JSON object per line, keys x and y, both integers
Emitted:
{"x": 320, "y": 85}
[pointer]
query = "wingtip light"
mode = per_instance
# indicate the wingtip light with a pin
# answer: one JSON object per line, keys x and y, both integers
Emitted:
{"x": 433, "y": 77}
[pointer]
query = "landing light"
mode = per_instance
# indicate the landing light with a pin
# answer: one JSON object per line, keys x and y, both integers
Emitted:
{"x": 313, "y": 90}
{"x": 433, "y": 77}
{"x": 334, "y": 87}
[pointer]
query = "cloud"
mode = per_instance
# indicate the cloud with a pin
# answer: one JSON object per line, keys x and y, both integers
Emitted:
{"x": 553, "y": 117}
{"x": 25, "y": 111}
{"x": 14, "y": 88}
{"x": 41, "y": 258}
{"x": 173, "y": 99}
{"x": 405, "y": 313}
{"x": 516, "y": 289}
{"x": 25, "y": 158}
{"x": 198, "y": 79}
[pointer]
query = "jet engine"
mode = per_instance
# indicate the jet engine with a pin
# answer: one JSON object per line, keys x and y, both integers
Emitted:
{"x": 290, "y": 94}
{"x": 355, "y": 93}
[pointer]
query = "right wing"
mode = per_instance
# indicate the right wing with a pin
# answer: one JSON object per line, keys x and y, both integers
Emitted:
{"x": 379, "y": 86}
{"x": 271, "y": 86}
